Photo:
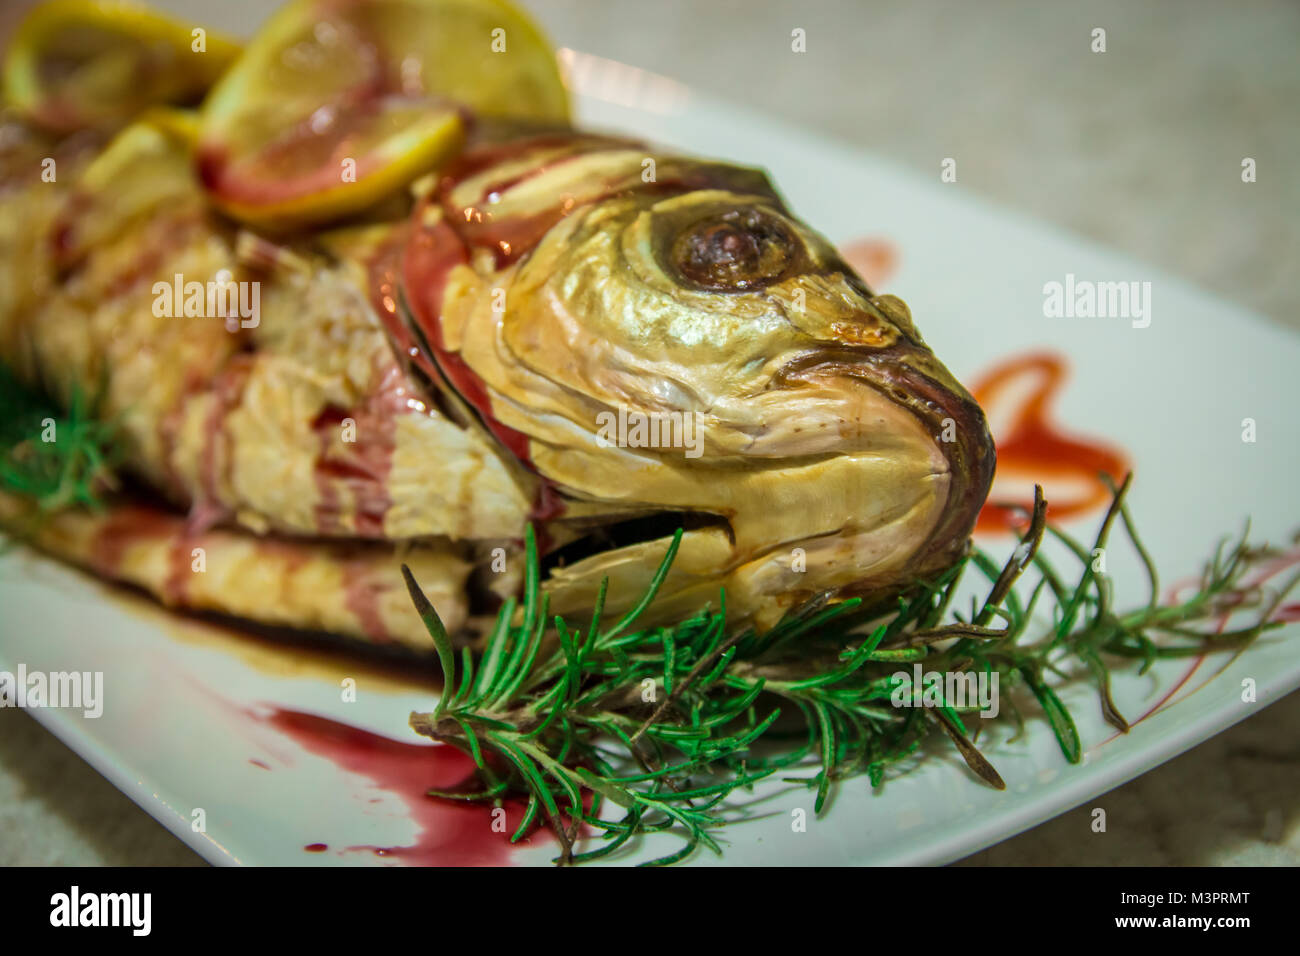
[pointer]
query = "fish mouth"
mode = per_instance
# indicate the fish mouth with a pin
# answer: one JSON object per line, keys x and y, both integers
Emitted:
{"x": 911, "y": 377}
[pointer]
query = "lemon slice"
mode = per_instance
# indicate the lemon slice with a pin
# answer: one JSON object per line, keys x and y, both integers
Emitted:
{"x": 181, "y": 125}
{"x": 78, "y": 63}
{"x": 335, "y": 105}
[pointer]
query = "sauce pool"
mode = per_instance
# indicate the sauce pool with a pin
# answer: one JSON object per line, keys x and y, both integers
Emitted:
{"x": 472, "y": 833}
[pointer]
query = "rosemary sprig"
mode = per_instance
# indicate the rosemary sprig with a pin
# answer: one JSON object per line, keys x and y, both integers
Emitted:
{"x": 55, "y": 457}
{"x": 674, "y": 724}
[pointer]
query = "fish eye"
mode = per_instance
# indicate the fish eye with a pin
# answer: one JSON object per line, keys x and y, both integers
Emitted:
{"x": 734, "y": 251}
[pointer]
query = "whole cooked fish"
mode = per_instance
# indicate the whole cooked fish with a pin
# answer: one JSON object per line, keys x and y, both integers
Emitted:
{"x": 583, "y": 332}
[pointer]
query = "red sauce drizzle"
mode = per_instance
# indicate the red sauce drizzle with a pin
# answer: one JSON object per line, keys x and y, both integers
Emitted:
{"x": 361, "y": 592}
{"x": 326, "y": 426}
{"x": 876, "y": 260}
{"x": 450, "y": 833}
{"x": 164, "y": 237}
{"x": 384, "y": 273}
{"x": 169, "y": 426}
{"x": 1031, "y": 447}
{"x": 227, "y": 389}
{"x": 361, "y": 466}
{"x": 1253, "y": 580}
{"x": 485, "y": 156}
{"x": 125, "y": 526}
{"x": 175, "y": 588}
{"x": 433, "y": 252}
{"x": 131, "y": 524}
{"x": 430, "y": 256}
{"x": 206, "y": 509}
{"x": 476, "y": 225}
{"x": 64, "y": 239}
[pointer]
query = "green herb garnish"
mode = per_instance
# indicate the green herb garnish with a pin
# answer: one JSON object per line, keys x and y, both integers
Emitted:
{"x": 56, "y": 457}
{"x": 669, "y": 723}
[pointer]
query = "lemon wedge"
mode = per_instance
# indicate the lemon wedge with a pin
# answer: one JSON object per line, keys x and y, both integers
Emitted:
{"x": 334, "y": 106}
{"x": 78, "y": 63}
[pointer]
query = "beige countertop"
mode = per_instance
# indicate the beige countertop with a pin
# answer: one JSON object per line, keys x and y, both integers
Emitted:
{"x": 1139, "y": 148}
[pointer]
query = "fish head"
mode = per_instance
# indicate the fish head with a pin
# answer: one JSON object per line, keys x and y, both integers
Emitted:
{"x": 689, "y": 353}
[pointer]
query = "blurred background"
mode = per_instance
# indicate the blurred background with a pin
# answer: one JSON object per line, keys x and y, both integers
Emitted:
{"x": 1139, "y": 148}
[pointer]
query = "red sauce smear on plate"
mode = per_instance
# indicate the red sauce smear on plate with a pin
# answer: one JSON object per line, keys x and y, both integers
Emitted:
{"x": 1032, "y": 448}
{"x": 450, "y": 833}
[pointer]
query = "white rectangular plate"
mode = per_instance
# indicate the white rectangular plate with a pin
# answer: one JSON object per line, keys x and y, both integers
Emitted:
{"x": 181, "y": 730}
